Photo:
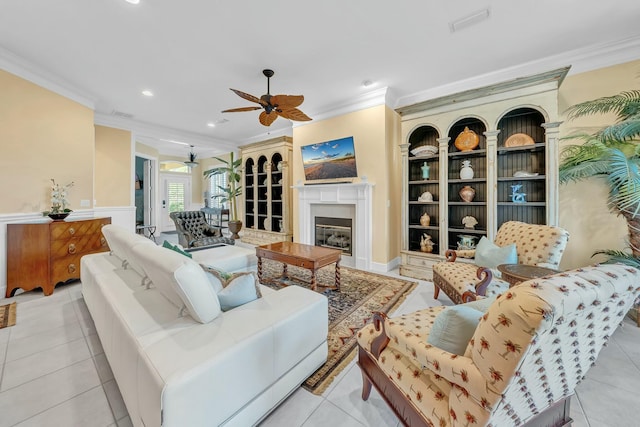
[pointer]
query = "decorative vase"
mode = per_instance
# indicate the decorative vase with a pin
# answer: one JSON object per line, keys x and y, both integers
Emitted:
{"x": 425, "y": 220}
{"x": 425, "y": 197}
{"x": 466, "y": 242}
{"x": 58, "y": 216}
{"x": 467, "y": 193}
{"x": 279, "y": 166}
{"x": 280, "y": 228}
{"x": 467, "y": 140}
{"x": 425, "y": 170}
{"x": 466, "y": 172}
{"x": 234, "y": 227}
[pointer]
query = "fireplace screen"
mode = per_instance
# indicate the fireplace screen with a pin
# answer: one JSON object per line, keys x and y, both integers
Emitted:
{"x": 334, "y": 233}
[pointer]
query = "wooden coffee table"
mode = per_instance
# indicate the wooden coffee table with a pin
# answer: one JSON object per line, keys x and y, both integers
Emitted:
{"x": 300, "y": 255}
{"x": 516, "y": 273}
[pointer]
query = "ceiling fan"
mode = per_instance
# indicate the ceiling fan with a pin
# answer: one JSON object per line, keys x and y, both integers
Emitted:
{"x": 274, "y": 105}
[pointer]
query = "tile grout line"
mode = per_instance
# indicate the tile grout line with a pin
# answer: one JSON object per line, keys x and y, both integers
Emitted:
{"x": 65, "y": 401}
{"x": 48, "y": 373}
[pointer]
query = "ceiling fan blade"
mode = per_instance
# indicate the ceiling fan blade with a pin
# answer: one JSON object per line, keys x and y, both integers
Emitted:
{"x": 267, "y": 118}
{"x": 287, "y": 101}
{"x": 246, "y": 96}
{"x": 237, "y": 110}
{"x": 293, "y": 114}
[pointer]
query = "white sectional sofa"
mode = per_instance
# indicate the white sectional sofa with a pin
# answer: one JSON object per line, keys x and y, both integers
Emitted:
{"x": 195, "y": 365}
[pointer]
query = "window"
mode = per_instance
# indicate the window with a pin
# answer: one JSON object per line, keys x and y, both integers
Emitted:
{"x": 215, "y": 182}
{"x": 175, "y": 194}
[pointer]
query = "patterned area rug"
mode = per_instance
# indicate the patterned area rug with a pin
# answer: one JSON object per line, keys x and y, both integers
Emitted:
{"x": 361, "y": 293}
{"x": 7, "y": 315}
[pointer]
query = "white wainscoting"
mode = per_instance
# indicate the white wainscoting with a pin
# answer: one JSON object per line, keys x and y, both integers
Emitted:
{"x": 124, "y": 216}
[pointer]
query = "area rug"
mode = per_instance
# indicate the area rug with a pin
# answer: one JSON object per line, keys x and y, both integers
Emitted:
{"x": 361, "y": 293}
{"x": 7, "y": 315}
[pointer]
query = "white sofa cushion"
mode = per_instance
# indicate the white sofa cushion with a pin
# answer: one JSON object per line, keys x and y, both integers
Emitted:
{"x": 180, "y": 280}
{"x": 226, "y": 257}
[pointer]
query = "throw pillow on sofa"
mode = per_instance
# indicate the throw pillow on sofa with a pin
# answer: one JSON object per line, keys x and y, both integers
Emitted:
{"x": 234, "y": 289}
{"x": 453, "y": 328}
{"x": 176, "y": 248}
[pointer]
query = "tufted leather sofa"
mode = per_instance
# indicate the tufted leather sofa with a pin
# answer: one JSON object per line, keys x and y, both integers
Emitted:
{"x": 530, "y": 349}
{"x": 539, "y": 245}
{"x": 194, "y": 231}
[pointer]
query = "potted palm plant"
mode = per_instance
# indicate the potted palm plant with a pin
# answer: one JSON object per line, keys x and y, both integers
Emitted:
{"x": 231, "y": 192}
{"x": 613, "y": 153}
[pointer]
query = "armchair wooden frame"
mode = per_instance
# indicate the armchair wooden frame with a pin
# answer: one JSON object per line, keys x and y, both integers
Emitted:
{"x": 557, "y": 415}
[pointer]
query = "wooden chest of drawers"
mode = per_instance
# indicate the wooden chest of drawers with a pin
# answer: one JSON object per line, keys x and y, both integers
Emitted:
{"x": 41, "y": 255}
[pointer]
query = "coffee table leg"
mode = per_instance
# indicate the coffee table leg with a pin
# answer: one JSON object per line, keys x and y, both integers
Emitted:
{"x": 260, "y": 269}
{"x": 284, "y": 271}
{"x": 338, "y": 274}
{"x": 313, "y": 280}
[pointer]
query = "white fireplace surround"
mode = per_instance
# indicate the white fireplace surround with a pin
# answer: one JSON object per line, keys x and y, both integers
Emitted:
{"x": 356, "y": 194}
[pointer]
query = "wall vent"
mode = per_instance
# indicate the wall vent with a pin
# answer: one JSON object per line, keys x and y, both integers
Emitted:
{"x": 121, "y": 114}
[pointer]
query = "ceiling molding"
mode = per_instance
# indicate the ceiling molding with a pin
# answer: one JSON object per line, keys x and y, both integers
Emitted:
{"x": 581, "y": 60}
{"x": 366, "y": 100}
{"x": 150, "y": 132}
{"x": 286, "y": 131}
{"x": 29, "y": 71}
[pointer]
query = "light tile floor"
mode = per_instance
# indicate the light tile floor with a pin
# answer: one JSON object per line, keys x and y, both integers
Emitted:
{"x": 53, "y": 372}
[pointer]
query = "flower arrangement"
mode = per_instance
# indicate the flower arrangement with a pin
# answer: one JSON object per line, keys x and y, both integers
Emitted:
{"x": 59, "y": 197}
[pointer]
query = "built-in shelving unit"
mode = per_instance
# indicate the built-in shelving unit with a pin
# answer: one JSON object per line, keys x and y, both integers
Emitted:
{"x": 267, "y": 191}
{"x": 527, "y": 106}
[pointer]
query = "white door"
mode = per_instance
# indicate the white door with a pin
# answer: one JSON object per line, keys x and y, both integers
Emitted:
{"x": 176, "y": 196}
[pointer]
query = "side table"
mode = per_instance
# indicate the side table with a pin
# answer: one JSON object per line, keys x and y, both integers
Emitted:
{"x": 516, "y": 273}
{"x": 150, "y": 229}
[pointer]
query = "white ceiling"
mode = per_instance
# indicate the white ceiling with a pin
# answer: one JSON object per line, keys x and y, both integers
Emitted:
{"x": 190, "y": 52}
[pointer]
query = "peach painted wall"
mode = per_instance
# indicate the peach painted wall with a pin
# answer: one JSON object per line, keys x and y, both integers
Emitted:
{"x": 583, "y": 208}
{"x": 369, "y": 130}
{"x": 42, "y": 135}
{"x": 113, "y": 174}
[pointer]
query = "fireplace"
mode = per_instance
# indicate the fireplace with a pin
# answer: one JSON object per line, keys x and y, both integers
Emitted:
{"x": 340, "y": 200}
{"x": 334, "y": 233}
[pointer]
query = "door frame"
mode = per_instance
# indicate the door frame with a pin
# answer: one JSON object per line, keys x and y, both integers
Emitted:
{"x": 149, "y": 182}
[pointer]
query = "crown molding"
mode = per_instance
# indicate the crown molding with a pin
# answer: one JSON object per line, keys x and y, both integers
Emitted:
{"x": 29, "y": 71}
{"x": 150, "y": 133}
{"x": 581, "y": 60}
{"x": 373, "y": 98}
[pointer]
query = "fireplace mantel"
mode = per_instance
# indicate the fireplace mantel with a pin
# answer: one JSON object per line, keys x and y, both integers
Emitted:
{"x": 357, "y": 194}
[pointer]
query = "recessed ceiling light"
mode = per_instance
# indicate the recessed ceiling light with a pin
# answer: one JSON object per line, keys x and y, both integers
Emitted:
{"x": 147, "y": 93}
{"x": 133, "y": 1}
{"x": 211, "y": 124}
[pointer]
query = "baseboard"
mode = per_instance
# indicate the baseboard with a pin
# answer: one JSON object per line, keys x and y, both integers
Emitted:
{"x": 383, "y": 268}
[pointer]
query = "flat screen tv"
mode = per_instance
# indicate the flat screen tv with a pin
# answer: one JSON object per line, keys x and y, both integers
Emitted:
{"x": 330, "y": 161}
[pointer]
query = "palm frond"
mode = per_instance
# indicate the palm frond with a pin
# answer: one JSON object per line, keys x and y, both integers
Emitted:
{"x": 592, "y": 149}
{"x": 617, "y": 256}
{"x": 628, "y": 129}
{"x": 582, "y": 170}
{"x": 622, "y": 104}
{"x": 624, "y": 182}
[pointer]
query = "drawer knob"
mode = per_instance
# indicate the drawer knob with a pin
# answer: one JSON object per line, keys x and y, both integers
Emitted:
{"x": 72, "y": 230}
{"x": 103, "y": 241}
{"x": 72, "y": 268}
{"x": 72, "y": 248}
